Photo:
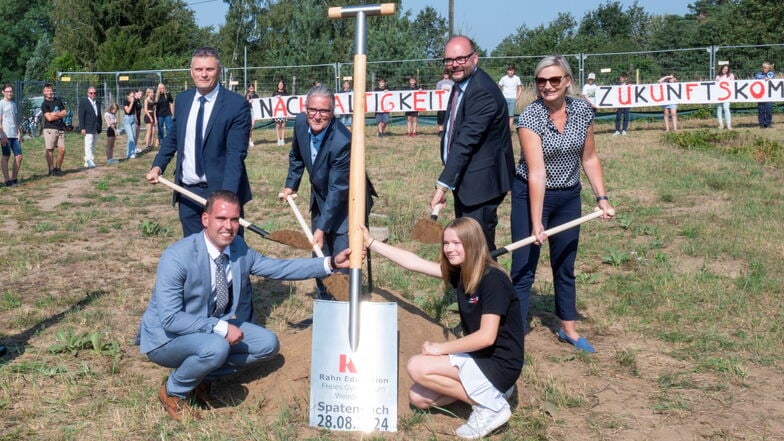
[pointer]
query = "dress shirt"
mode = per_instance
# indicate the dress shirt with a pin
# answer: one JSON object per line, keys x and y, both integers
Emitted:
{"x": 463, "y": 85}
{"x": 222, "y": 328}
{"x": 189, "y": 176}
{"x": 315, "y": 143}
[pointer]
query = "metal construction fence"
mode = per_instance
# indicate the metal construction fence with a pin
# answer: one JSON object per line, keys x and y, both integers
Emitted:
{"x": 642, "y": 67}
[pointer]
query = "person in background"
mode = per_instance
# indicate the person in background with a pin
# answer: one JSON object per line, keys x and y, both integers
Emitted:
{"x": 164, "y": 109}
{"x": 280, "y": 122}
{"x": 110, "y": 117}
{"x": 346, "y": 118}
{"x": 670, "y": 110}
{"x": 250, "y": 95}
{"x": 444, "y": 84}
{"x": 90, "y": 123}
{"x": 765, "y": 109}
{"x": 622, "y": 114}
{"x": 54, "y": 113}
{"x": 482, "y": 367}
{"x": 589, "y": 90}
{"x": 129, "y": 124}
{"x": 723, "y": 113}
{"x": 411, "y": 117}
{"x": 512, "y": 88}
{"x": 150, "y": 123}
{"x": 556, "y": 136}
{"x": 382, "y": 118}
{"x": 10, "y": 138}
{"x": 137, "y": 112}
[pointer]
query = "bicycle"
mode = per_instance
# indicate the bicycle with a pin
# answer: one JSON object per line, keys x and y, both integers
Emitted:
{"x": 31, "y": 126}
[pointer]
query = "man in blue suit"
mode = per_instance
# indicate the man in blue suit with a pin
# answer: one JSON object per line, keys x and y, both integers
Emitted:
{"x": 200, "y": 317}
{"x": 212, "y": 158}
{"x": 322, "y": 145}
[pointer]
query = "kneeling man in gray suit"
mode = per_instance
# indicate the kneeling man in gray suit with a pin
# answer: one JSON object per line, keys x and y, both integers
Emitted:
{"x": 200, "y": 318}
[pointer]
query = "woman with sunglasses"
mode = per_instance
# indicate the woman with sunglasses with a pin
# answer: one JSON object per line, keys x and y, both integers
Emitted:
{"x": 481, "y": 367}
{"x": 556, "y": 137}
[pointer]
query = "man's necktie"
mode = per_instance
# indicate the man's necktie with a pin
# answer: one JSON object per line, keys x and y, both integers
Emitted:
{"x": 199, "y": 144}
{"x": 221, "y": 285}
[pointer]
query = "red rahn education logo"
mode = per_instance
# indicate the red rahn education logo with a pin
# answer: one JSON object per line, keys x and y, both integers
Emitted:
{"x": 346, "y": 365}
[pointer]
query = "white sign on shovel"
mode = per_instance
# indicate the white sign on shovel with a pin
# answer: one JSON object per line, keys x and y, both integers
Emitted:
{"x": 354, "y": 390}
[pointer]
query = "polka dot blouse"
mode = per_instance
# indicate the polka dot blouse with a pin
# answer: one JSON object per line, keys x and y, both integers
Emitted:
{"x": 562, "y": 151}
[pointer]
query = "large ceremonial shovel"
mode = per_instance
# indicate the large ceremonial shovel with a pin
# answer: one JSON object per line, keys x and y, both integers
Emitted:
{"x": 551, "y": 232}
{"x": 357, "y": 176}
{"x": 336, "y": 283}
{"x": 286, "y": 237}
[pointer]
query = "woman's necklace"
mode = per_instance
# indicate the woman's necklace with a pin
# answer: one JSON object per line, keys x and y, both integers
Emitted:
{"x": 558, "y": 116}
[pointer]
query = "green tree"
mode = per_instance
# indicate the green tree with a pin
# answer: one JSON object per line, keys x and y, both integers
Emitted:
{"x": 23, "y": 24}
{"x": 37, "y": 67}
{"x": 611, "y": 29}
{"x": 139, "y": 34}
{"x": 431, "y": 32}
{"x": 557, "y": 37}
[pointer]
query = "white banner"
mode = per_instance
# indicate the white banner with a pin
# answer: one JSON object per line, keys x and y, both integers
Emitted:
{"x": 690, "y": 92}
{"x": 354, "y": 390}
{"x": 392, "y": 101}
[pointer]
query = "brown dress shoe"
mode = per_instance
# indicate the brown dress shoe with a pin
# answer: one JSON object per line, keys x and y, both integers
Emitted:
{"x": 176, "y": 407}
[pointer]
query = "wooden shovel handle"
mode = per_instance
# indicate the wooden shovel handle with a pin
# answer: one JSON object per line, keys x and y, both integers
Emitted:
{"x": 198, "y": 199}
{"x": 552, "y": 231}
{"x": 304, "y": 225}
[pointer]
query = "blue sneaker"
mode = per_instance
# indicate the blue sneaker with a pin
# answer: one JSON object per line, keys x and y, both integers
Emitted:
{"x": 581, "y": 343}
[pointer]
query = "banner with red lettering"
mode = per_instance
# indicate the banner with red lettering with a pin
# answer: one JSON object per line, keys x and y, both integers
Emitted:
{"x": 690, "y": 92}
{"x": 393, "y": 101}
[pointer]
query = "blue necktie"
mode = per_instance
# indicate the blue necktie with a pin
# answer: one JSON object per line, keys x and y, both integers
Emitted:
{"x": 221, "y": 285}
{"x": 200, "y": 137}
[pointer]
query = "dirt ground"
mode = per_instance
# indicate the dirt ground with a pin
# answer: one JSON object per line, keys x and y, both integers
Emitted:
{"x": 623, "y": 404}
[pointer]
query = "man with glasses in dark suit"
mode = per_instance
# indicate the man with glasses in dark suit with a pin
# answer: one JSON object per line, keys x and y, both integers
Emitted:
{"x": 476, "y": 147}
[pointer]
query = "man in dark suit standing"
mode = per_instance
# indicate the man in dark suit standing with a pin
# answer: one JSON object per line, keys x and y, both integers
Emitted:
{"x": 210, "y": 136}
{"x": 199, "y": 321}
{"x": 322, "y": 145}
{"x": 90, "y": 121}
{"x": 476, "y": 146}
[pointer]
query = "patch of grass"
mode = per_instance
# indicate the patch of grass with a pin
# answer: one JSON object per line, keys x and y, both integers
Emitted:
{"x": 9, "y": 301}
{"x": 667, "y": 404}
{"x": 561, "y": 395}
{"x": 43, "y": 227}
{"x": 150, "y": 228}
{"x": 616, "y": 258}
{"x": 68, "y": 341}
{"x": 627, "y": 359}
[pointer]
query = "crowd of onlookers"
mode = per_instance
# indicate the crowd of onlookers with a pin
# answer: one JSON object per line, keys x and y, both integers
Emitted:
{"x": 154, "y": 109}
{"x": 670, "y": 111}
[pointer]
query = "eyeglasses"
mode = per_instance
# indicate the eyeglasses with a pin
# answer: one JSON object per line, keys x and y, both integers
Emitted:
{"x": 90, "y": 93}
{"x": 322, "y": 112}
{"x": 554, "y": 81}
{"x": 458, "y": 60}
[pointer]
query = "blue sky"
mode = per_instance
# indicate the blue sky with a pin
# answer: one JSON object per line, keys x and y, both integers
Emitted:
{"x": 487, "y": 21}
